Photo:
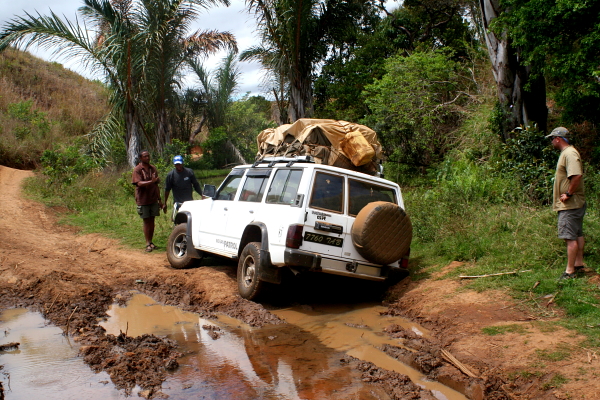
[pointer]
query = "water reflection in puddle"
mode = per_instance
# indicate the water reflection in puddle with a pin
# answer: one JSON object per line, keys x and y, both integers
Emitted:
{"x": 276, "y": 362}
{"x": 46, "y": 365}
{"x": 357, "y": 330}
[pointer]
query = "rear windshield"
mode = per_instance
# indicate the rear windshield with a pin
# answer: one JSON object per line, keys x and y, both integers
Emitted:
{"x": 363, "y": 193}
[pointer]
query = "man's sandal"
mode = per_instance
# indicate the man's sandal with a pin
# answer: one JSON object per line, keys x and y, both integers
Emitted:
{"x": 154, "y": 247}
{"x": 149, "y": 248}
{"x": 567, "y": 275}
{"x": 579, "y": 267}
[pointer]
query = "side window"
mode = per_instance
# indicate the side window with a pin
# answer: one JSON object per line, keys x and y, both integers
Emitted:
{"x": 363, "y": 193}
{"x": 328, "y": 192}
{"x": 254, "y": 188}
{"x": 284, "y": 187}
{"x": 229, "y": 187}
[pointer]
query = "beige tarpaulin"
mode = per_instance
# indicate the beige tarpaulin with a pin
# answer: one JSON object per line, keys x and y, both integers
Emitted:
{"x": 320, "y": 138}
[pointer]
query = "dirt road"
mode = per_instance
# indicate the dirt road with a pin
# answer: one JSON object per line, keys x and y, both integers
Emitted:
{"x": 73, "y": 278}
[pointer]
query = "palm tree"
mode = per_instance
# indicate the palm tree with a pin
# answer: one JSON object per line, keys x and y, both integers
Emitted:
{"x": 216, "y": 91}
{"x": 140, "y": 47}
{"x": 217, "y": 88}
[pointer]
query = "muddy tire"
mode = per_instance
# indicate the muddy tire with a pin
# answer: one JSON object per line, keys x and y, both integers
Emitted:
{"x": 177, "y": 249}
{"x": 249, "y": 286}
{"x": 382, "y": 232}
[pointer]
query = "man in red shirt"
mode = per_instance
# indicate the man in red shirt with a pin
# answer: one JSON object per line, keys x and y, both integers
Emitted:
{"x": 147, "y": 195}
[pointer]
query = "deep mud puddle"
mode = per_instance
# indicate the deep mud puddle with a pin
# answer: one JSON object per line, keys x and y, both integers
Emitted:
{"x": 46, "y": 364}
{"x": 223, "y": 357}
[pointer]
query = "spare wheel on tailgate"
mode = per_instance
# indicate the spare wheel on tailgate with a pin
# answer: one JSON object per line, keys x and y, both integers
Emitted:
{"x": 382, "y": 232}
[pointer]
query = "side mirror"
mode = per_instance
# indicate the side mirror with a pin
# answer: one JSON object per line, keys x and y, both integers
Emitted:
{"x": 209, "y": 191}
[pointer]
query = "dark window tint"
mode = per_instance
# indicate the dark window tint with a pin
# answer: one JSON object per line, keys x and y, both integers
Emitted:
{"x": 328, "y": 192}
{"x": 284, "y": 187}
{"x": 229, "y": 187}
{"x": 363, "y": 193}
{"x": 254, "y": 188}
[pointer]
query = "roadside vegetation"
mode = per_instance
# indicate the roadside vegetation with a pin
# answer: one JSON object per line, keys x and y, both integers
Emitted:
{"x": 476, "y": 177}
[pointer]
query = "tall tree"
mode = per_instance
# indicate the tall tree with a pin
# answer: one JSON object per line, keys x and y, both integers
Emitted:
{"x": 295, "y": 36}
{"x": 415, "y": 25}
{"x": 521, "y": 90}
{"x": 140, "y": 46}
{"x": 559, "y": 40}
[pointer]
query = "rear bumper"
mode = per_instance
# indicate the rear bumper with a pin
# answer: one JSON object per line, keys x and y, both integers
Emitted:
{"x": 308, "y": 261}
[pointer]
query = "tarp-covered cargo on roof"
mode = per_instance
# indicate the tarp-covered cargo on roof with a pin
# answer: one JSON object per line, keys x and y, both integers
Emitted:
{"x": 338, "y": 143}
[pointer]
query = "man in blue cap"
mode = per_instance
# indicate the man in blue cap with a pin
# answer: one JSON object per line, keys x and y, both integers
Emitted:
{"x": 569, "y": 200}
{"x": 181, "y": 180}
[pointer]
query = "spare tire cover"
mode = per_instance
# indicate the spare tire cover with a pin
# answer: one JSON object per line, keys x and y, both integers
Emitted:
{"x": 382, "y": 232}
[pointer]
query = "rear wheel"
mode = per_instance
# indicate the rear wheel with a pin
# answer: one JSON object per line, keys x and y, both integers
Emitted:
{"x": 177, "y": 249}
{"x": 249, "y": 286}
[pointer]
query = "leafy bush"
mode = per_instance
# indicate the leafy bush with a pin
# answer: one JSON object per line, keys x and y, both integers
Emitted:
{"x": 416, "y": 106}
{"x": 64, "y": 166}
{"x": 527, "y": 158}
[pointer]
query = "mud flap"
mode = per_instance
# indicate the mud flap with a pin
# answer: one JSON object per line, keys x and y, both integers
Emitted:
{"x": 268, "y": 272}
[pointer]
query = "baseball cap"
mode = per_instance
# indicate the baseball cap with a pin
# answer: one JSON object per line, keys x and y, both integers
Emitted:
{"x": 177, "y": 160}
{"x": 559, "y": 132}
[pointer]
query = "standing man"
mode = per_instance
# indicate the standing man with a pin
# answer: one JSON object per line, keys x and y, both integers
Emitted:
{"x": 569, "y": 200}
{"x": 147, "y": 195}
{"x": 181, "y": 180}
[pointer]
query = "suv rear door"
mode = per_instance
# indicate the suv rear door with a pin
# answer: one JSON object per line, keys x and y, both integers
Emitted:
{"x": 326, "y": 221}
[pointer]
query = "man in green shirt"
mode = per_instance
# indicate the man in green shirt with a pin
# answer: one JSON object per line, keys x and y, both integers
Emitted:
{"x": 568, "y": 200}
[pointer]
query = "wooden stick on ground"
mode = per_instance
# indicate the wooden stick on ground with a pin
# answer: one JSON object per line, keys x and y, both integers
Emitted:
{"x": 451, "y": 359}
{"x": 69, "y": 320}
{"x": 488, "y": 275}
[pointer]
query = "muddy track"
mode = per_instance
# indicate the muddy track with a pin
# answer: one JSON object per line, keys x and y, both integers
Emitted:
{"x": 72, "y": 279}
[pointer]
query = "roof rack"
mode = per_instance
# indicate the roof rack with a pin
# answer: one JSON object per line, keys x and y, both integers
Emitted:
{"x": 271, "y": 161}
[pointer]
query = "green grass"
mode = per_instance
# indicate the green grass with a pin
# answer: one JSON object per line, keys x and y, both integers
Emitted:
{"x": 494, "y": 231}
{"x": 556, "y": 382}
{"x": 502, "y": 329}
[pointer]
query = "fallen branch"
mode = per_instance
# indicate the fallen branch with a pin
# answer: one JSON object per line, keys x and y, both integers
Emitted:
{"x": 488, "y": 275}
{"x": 9, "y": 346}
{"x": 53, "y": 301}
{"x": 69, "y": 320}
{"x": 451, "y": 359}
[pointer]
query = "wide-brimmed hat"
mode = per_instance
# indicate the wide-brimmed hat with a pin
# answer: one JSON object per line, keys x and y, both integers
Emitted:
{"x": 559, "y": 132}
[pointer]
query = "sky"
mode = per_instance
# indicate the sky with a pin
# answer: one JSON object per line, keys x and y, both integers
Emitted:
{"x": 234, "y": 19}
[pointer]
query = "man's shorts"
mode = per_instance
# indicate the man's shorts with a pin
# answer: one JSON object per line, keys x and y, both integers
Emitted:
{"x": 570, "y": 223}
{"x": 151, "y": 210}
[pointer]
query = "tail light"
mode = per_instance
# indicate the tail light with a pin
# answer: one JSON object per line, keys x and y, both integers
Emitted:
{"x": 294, "y": 236}
{"x": 404, "y": 260}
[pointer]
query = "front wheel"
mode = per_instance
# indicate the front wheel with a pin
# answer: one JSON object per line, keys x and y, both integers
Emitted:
{"x": 249, "y": 286}
{"x": 177, "y": 248}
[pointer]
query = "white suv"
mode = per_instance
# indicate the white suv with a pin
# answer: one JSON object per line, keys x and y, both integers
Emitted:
{"x": 294, "y": 213}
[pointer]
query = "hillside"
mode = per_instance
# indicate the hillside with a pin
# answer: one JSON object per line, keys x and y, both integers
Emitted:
{"x": 42, "y": 104}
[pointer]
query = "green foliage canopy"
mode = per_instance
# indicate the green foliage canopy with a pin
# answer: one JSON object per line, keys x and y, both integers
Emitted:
{"x": 560, "y": 39}
{"x": 417, "y": 105}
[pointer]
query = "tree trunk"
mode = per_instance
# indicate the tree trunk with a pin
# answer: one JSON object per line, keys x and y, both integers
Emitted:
{"x": 163, "y": 134}
{"x": 236, "y": 153}
{"x": 132, "y": 139}
{"x": 521, "y": 107}
{"x": 301, "y": 98}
